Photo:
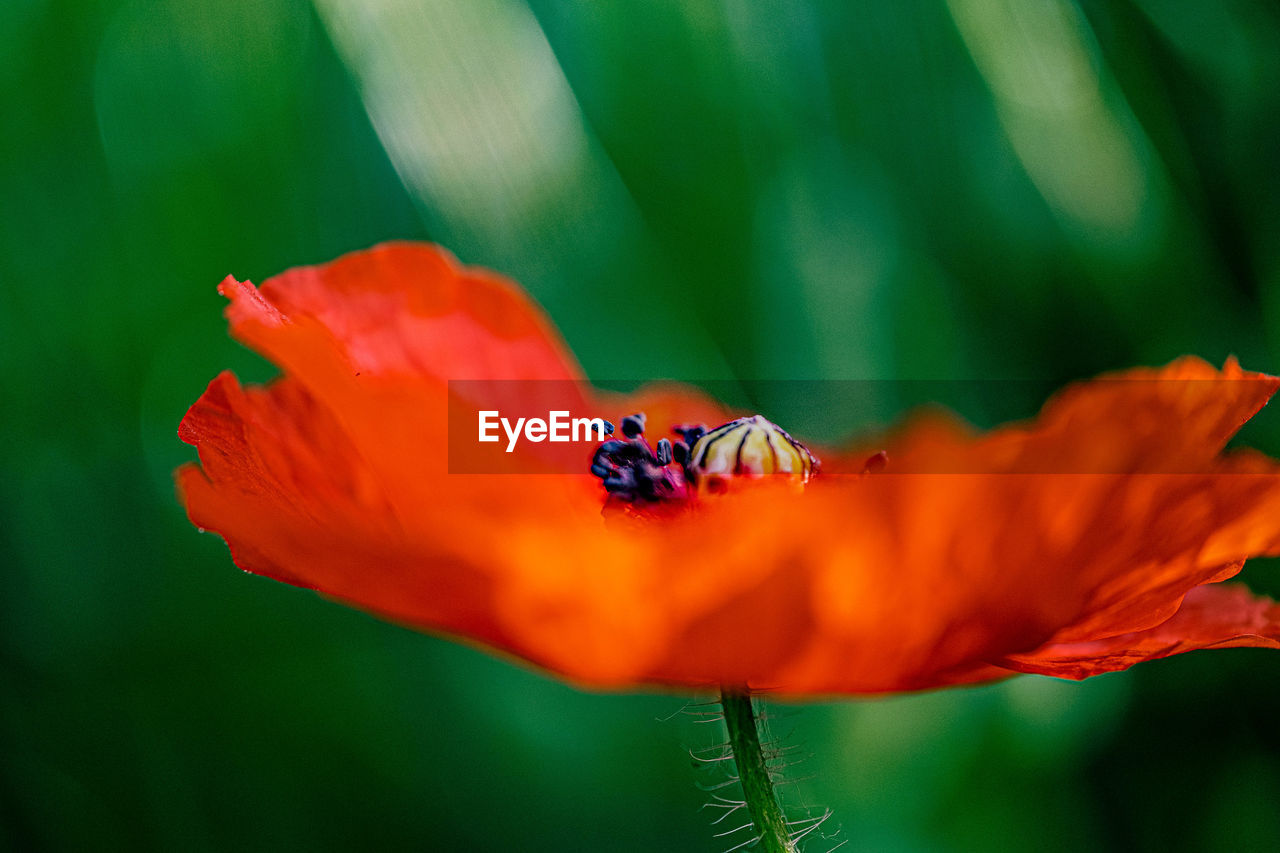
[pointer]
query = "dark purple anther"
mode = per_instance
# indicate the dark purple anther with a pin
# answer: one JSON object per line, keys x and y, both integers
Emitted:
{"x": 663, "y": 451}
{"x": 633, "y": 425}
{"x": 680, "y": 452}
{"x": 691, "y": 434}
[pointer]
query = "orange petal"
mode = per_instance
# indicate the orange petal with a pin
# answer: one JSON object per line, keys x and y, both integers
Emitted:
{"x": 400, "y": 308}
{"x": 1218, "y": 616}
{"x": 1116, "y": 497}
{"x": 377, "y": 336}
{"x": 295, "y": 499}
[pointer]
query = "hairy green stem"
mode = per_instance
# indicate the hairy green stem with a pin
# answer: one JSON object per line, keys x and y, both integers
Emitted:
{"x": 757, "y": 787}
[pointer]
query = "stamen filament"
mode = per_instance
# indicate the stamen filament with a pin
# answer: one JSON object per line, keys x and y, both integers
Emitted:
{"x": 757, "y": 787}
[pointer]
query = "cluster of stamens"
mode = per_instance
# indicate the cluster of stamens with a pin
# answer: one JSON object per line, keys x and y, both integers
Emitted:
{"x": 632, "y": 470}
{"x": 698, "y": 462}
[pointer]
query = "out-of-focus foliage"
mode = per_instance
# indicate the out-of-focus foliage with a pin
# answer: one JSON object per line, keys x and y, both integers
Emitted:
{"x": 816, "y": 190}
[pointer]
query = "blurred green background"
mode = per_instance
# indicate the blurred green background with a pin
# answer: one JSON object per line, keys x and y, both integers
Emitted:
{"x": 708, "y": 190}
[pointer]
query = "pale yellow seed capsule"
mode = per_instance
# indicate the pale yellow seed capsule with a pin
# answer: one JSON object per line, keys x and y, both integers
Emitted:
{"x": 748, "y": 447}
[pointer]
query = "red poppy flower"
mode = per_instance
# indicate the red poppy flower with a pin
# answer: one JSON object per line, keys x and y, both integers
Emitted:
{"x": 1093, "y": 538}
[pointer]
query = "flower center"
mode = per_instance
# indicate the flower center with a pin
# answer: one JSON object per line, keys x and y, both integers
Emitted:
{"x": 699, "y": 462}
